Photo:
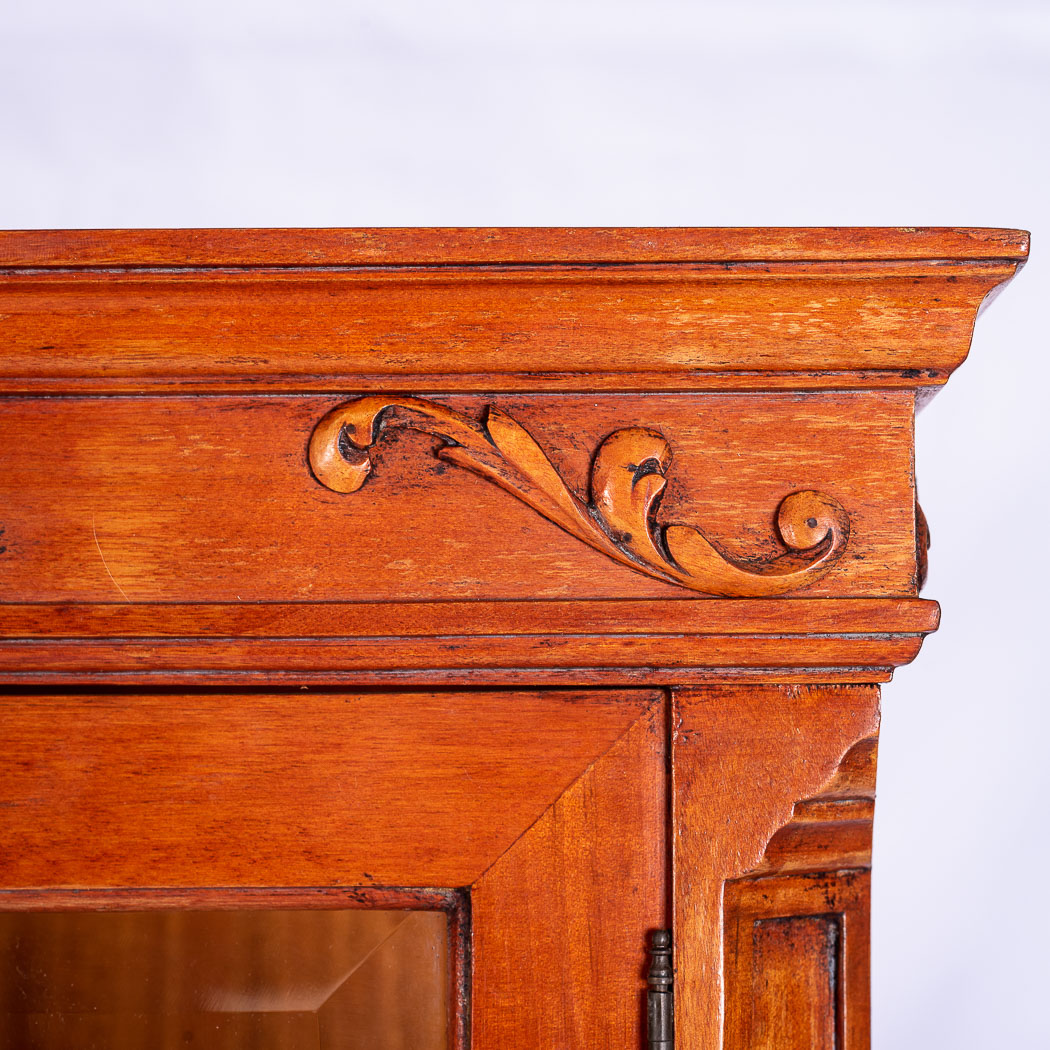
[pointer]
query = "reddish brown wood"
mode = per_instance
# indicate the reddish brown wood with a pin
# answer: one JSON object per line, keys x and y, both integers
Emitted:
{"x": 450, "y": 678}
{"x": 449, "y": 642}
{"x": 385, "y": 781}
{"x": 294, "y": 790}
{"x": 232, "y": 898}
{"x": 211, "y": 499}
{"x": 796, "y": 927}
{"x": 797, "y": 973}
{"x": 793, "y": 990}
{"x": 619, "y": 515}
{"x": 524, "y": 245}
{"x": 542, "y": 330}
{"x": 582, "y": 888}
{"x": 831, "y": 829}
{"x": 743, "y": 757}
{"x": 452, "y": 653}
{"x": 160, "y": 527}
{"x": 690, "y": 616}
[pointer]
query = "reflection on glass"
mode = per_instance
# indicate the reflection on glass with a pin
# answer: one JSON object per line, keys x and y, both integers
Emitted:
{"x": 218, "y": 980}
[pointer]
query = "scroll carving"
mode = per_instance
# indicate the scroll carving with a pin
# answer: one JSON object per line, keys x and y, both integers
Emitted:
{"x": 619, "y": 519}
{"x": 831, "y": 829}
{"x": 922, "y": 548}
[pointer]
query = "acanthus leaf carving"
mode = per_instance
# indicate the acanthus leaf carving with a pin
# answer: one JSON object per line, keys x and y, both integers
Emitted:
{"x": 628, "y": 478}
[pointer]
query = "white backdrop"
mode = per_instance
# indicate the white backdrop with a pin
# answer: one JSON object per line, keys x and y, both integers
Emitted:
{"x": 249, "y": 112}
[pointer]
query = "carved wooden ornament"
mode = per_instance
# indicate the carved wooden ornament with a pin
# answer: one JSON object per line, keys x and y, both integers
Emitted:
{"x": 628, "y": 477}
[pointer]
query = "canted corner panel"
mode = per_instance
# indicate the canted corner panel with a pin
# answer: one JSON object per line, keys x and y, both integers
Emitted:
{"x": 773, "y": 788}
{"x": 561, "y": 921}
{"x": 796, "y": 927}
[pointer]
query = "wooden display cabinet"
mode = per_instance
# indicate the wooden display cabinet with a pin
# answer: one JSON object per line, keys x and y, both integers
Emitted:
{"x": 399, "y": 627}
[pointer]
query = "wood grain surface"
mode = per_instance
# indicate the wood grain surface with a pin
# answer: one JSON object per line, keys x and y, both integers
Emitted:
{"x": 562, "y": 918}
{"x": 797, "y": 954}
{"x": 742, "y": 758}
{"x": 618, "y": 513}
{"x": 553, "y": 810}
{"x": 419, "y": 688}
{"x": 681, "y": 616}
{"x": 437, "y": 657}
{"x": 838, "y": 325}
{"x": 462, "y": 643}
{"x": 211, "y": 499}
{"x": 285, "y": 790}
{"x": 494, "y": 245}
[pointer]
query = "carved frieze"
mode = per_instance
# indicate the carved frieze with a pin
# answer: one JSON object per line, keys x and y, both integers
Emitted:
{"x": 620, "y": 516}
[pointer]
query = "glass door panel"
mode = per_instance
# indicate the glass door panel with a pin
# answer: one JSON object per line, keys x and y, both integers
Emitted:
{"x": 218, "y": 980}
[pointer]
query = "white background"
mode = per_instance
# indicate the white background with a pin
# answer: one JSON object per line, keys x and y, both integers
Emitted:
{"x": 223, "y": 113}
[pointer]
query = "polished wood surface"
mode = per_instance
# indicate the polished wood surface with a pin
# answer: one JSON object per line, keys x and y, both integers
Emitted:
{"x": 209, "y": 499}
{"x": 744, "y": 760}
{"x": 494, "y": 245}
{"x": 489, "y": 310}
{"x": 547, "y": 808}
{"x": 796, "y": 962}
{"x": 627, "y": 642}
{"x": 619, "y": 519}
{"x": 288, "y": 331}
{"x": 541, "y": 577}
{"x": 576, "y": 890}
{"x": 295, "y": 789}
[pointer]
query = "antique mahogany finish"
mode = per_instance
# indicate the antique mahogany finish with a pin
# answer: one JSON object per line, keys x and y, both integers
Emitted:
{"x": 541, "y": 576}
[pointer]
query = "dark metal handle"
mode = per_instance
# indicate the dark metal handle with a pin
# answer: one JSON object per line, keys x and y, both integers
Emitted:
{"x": 661, "y": 992}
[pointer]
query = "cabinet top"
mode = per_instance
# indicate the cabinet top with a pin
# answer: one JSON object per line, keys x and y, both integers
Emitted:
{"x": 493, "y": 246}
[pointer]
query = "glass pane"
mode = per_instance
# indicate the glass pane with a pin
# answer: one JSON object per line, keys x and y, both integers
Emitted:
{"x": 216, "y": 980}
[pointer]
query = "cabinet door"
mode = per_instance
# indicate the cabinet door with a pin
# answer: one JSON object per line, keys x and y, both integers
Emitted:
{"x": 502, "y": 853}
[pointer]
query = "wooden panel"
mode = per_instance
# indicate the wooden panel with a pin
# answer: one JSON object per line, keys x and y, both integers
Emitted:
{"x": 210, "y": 499}
{"x": 561, "y": 920}
{"x": 295, "y": 789}
{"x": 797, "y": 962}
{"x": 793, "y": 988}
{"x": 743, "y": 757}
{"x": 295, "y": 330}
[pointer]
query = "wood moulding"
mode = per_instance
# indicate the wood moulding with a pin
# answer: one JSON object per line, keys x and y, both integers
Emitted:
{"x": 679, "y": 641}
{"x": 628, "y": 477}
{"x": 493, "y": 310}
{"x": 466, "y": 246}
{"x": 830, "y": 829}
{"x": 796, "y": 926}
